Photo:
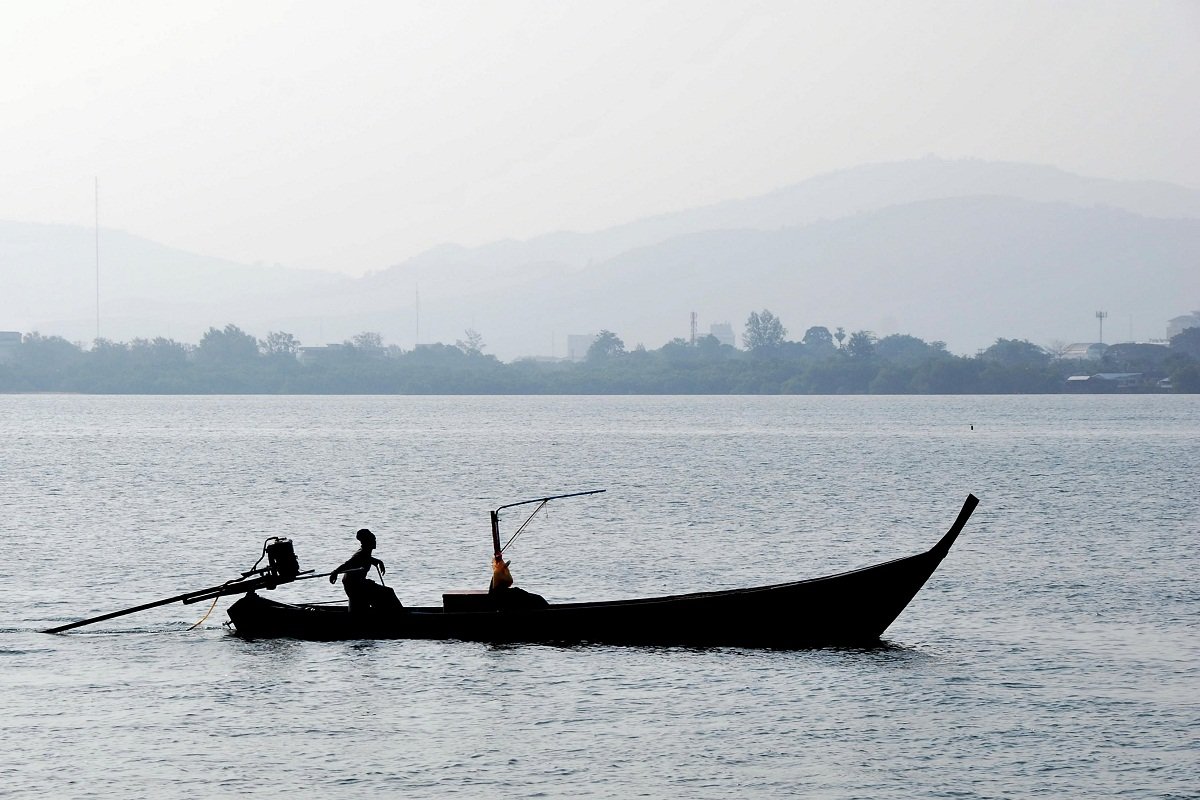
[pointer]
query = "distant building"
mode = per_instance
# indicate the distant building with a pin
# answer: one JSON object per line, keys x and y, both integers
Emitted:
{"x": 578, "y": 345}
{"x": 316, "y": 355}
{"x": 9, "y": 342}
{"x": 1178, "y": 325}
{"x": 1105, "y": 382}
{"x": 723, "y": 332}
{"x": 539, "y": 359}
{"x": 1084, "y": 351}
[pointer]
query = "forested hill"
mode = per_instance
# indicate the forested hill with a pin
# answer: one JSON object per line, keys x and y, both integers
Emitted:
{"x": 231, "y": 361}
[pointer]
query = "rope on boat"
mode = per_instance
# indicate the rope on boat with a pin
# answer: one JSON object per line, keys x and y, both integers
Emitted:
{"x": 541, "y": 505}
{"x": 261, "y": 556}
{"x": 200, "y": 621}
{"x": 541, "y": 501}
{"x": 246, "y": 574}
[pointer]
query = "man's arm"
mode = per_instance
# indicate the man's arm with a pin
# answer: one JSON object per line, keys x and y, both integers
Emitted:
{"x": 350, "y": 566}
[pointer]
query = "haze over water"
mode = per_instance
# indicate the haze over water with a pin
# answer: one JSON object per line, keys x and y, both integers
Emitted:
{"x": 1054, "y": 652}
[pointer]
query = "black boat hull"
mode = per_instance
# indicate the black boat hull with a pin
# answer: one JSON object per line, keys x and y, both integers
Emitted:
{"x": 852, "y": 608}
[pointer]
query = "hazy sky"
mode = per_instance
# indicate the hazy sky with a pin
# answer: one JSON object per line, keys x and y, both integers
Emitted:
{"x": 348, "y": 136}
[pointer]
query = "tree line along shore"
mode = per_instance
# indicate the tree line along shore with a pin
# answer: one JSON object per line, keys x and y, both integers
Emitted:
{"x": 232, "y": 361}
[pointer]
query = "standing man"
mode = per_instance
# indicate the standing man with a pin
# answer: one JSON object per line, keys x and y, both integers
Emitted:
{"x": 364, "y": 593}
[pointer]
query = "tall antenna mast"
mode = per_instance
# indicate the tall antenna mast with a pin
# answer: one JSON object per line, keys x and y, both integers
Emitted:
{"x": 693, "y": 329}
{"x": 418, "y": 337}
{"x": 1100, "y": 315}
{"x": 97, "y": 257}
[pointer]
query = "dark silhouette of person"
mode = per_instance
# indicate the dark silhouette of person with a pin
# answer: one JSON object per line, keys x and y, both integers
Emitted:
{"x": 365, "y": 594}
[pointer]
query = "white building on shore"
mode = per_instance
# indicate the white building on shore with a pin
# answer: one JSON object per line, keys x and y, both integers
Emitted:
{"x": 1177, "y": 325}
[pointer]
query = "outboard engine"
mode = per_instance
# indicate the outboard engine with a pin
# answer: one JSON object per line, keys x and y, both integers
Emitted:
{"x": 281, "y": 559}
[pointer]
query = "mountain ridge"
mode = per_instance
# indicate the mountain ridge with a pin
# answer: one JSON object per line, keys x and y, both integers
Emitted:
{"x": 859, "y": 272}
{"x": 809, "y": 201}
{"x": 522, "y": 295}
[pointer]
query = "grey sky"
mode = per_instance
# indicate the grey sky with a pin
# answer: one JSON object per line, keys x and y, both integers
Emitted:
{"x": 348, "y": 136}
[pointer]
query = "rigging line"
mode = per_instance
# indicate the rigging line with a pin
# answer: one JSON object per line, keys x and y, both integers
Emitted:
{"x": 555, "y": 497}
{"x": 260, "y": 558}
{"x": 526, "y": 522}
{"x": 235, "y": 580}
{"x": 200, "y": 621}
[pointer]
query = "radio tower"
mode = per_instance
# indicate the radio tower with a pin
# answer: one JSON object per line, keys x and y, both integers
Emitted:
{"x": 97, "y": 257}
{"x": 1100, "y": 315}
{"x": 693, "y": 329}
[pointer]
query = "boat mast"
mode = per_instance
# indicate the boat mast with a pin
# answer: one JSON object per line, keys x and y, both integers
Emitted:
{"x": 541, "y": 501}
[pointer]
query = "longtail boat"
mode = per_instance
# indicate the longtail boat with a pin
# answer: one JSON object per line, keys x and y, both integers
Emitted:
{"x": 847, "y": 609}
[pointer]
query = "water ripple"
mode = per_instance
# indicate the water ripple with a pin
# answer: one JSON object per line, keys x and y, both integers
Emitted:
{"x": 1054, "y": 654}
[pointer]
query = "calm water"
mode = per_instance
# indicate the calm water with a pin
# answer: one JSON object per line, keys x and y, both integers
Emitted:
{"x": 1055, "y": 653}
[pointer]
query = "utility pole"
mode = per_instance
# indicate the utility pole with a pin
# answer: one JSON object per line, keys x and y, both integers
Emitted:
{"x": 97, "y": 257}
{"x": 1100, "y": 315}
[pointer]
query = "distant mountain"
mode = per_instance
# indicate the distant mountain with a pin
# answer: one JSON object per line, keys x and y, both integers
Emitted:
{"x": 963, "y": 251}
{"x": 966, "y": 270}
{"x": 825, "y": 197}
{"x": 515, "y": 274}
{"x": 48, "y": 283}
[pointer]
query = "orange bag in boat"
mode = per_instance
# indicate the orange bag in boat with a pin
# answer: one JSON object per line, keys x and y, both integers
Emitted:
{"x": 501, "y": 577}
